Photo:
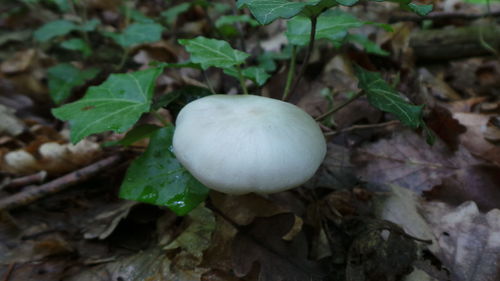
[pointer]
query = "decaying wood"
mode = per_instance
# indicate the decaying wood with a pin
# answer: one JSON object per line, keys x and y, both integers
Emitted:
{"x": 454, "y": 43}
{"x": 441, "y": 16}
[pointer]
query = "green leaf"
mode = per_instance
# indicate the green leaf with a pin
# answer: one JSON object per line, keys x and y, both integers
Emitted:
{"x": 136, "y": 15}
{"x": 90, "y": 25}
{"x": 62, "y": 5}
{"x": 114, "y": 105}
{"x": 227, "y": 24}
{"x": 136, "y": 134}
{"x": 138, "y": 33}
{"x": 384, "y": 97}
{"x": 332, "y": 25}
{"x": 367, "y": 44}
{"x": 232, "y": 19}
{"x": 266, "y": 11}
{"x": 171, "y": 14}
{"x": 53, "y": 29}
{"x": 211, "y": 52}
{"x": 347, "y": 2}
{"x": 421, "y": 10}
{"x": 156, "y": 177}
{"x": 77, "y": 44}
{"x": 64, "y": 77}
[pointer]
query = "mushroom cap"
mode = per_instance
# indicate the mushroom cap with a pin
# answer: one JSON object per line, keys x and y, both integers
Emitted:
{"x": 244, "y": 143}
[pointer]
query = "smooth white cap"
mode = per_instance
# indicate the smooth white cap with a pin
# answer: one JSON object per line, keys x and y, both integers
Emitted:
{"x": 246, "y": 143}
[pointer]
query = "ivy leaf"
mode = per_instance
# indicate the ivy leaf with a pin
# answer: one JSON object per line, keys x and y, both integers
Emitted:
{"x": 53, "y": 29}
{"x": 156, "y": 177}
{"x": 171, "y": 14}
{"x": 384, "y": 97}
{"x": 232, "y": 19}
{"x": 254, "y": 73}
{"x": 367, "y": 44}
{"x": 114, "y": 105}
{"x": 137, "y": 33}
{"x": 226, "y": 24}
{"x": 137, "y": 133}
{"x": 90, "y": 25}
{"x": 64, "y": 77}
{"x": 332, "y": 25}
{"x": 421, "y": 10}
{"x": 212, "y": 52}
{"x": 77, "y": 44}
{"x": 266, "y": 11}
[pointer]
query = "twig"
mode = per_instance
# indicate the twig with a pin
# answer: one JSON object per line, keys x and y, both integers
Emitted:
{"x": 26, "y": 180}
{"x": 333, "y": 110}
{"x": 312, "y": 36}
{"x": 9, "y": 272}
{"x": 33, "y": 193}
{"x": 363, "y": 127}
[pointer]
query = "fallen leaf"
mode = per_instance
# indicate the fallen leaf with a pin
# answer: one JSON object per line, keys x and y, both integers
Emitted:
{"x": 473, "y": 139}
{"x": 279, "y": 260}
{"x": 243, "y": 209}
{"x": 107, "y": 219}
{"x": 194, "y": 240}
{"x": 19, "y": 62}
{"x": 10, "y": 125}
{"x": 469, "y": 241}
{"x": 406, "y": 160}
{"x": 478, "y": 183}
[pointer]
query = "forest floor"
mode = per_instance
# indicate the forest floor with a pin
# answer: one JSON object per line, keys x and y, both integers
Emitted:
{"x": 384, "y": 205}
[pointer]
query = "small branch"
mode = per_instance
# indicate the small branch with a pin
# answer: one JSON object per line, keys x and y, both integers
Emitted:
{"x": 26, "y": 180}
{"x": 333, "y": 110}
{"x": 291, "y": 71}
{"x": 242, "y": 80}
{"x": 364, "y": 127}
{"x": 9, "y": 272}
{"x": 34, "y": 193}
{"x": 312, "y": 37}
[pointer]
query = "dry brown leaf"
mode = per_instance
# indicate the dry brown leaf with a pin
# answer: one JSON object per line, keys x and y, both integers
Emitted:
{"x": 408, "y": 161}
{"x": 474, "y": 140}
{"x": 10, "y": 125}
{"x": 469, "y": 241}
{"x": 19, "y": 62}
{"x": 52, "y": 157}
{"x": 279, "y": 260}
{"x": 243, "y": 209}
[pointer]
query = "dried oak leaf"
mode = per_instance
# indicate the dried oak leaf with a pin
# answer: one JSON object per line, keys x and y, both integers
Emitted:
{"x": 262, "y": 242}
{"x": 406, "y": 160}
{"x": 474, "y": 138}
{"x": 469, "y": 241}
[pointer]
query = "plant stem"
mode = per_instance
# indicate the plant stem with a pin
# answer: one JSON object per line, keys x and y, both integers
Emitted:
{"x": 242, "y": 80}
{"x": 310, "y": 47}
{"x": 291, "y": 71}
{"x": 210, "y": 87}
{"x": 333, "y": 110}
{"x": 123, "y": 60}
{"x": 160, "y": 118}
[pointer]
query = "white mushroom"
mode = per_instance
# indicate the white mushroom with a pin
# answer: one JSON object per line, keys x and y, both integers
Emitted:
{"x": 246, "y": 143}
